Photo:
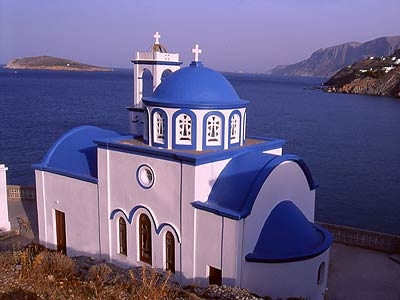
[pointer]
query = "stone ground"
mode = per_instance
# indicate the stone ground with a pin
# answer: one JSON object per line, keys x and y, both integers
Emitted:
{"x": 354, "y": 273}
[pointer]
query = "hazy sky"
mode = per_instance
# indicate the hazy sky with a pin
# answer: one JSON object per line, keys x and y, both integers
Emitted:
{"x": 235, "y": 35}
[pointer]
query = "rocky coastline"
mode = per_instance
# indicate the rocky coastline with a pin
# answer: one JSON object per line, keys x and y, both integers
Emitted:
{"x": 51, "y": 63}
{"x": 378, "y": 76}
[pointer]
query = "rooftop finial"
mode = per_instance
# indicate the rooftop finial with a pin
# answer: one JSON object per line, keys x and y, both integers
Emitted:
{"x": 157, "y": 37}
{"x": 196, "y": 50}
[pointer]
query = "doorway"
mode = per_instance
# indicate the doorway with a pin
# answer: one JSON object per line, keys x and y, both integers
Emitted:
{"x": 60, "y": 232}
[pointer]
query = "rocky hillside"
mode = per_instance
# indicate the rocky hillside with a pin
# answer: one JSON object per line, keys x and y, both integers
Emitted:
{"x": 327, "y": 61}
{"x": 51, "y": 63}
{"x": 371, "y": 76}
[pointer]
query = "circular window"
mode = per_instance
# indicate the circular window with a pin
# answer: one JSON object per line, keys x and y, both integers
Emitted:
{"x": 145, "y": 176}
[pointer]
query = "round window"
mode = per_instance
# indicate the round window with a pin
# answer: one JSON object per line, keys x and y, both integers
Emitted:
{"x": 145, "y": 176}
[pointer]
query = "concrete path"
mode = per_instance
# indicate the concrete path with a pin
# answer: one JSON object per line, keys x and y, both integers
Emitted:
{"x": 361, "y": 274}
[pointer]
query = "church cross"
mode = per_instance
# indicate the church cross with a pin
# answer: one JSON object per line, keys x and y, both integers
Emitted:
{"x": 157, "y": 36}
{"x": 196, "y": 50}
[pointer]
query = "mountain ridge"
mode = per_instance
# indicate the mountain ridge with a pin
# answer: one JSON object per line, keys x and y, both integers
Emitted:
{"x": 326, "y": 62}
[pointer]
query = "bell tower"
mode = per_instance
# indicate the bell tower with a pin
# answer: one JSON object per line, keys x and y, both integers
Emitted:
{"x": 149, "y": 69}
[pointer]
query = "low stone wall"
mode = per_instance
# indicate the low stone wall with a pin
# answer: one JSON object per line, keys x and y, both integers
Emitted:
{"x": 364, "y": 238}
{"x": 18, "y": 192}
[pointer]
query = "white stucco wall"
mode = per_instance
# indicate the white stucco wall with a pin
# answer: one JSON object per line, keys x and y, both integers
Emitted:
{"x": 78, "y": 200}
{"x": 4, "y": 219}
{"x": 284, "y": 280}
{"x": 120, "y": 190}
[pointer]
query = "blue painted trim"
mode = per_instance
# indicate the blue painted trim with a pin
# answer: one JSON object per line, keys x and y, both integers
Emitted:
{"x": 146, "y": 126}
{"x": 192, "y": 115}
{"x": 254, "y": 187}
{"x": 166, "y": 132}
{"x": 204, "y": 144}
{"x": 138, "y": 176}
{"x": 82, "y": 177}
{"x": 155, "y": 62}
{"x": 189, "y": 158}
{"x": 150, "y": 101}
{"x": 131, "y": 215}
{"x": 230, "y": 127}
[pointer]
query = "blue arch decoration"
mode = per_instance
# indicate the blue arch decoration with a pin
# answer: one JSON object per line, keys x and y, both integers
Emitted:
{"x": 220, "y": 115}
{"x": 166, "y": 132}
{"x": 192, "y": 115}
{"x": 158, "y": 228}
{"x": 242, "y": 178}
{"x": 230, "y": 127}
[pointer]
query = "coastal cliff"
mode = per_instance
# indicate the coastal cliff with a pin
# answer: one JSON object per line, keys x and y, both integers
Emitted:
{"x": 327, "y": 61}
{"x": 51, "y": 63}
{"x": 372, "y": 76}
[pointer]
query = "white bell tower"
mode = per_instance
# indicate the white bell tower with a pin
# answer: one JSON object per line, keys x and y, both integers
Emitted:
{"x": 149, "y": 69}
{"x": 4, "y": 220}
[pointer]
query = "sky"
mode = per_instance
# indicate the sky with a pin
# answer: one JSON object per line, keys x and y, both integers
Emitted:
{"x": 234, "y": 35}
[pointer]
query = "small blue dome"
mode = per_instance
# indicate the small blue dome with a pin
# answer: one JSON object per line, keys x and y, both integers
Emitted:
{"x": 287, "y": 236}
{"x": 75, "y": 153}
{"x": 195, "y": 87}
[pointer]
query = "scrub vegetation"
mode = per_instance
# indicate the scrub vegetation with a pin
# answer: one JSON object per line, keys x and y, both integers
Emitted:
{"x": 34, "y": 273}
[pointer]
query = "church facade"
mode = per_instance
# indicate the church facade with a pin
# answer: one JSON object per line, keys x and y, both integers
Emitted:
{"x": 186, "y": 191}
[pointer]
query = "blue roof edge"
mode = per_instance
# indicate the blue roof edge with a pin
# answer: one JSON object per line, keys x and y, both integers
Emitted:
{"x": 153, "y": 101}
{"x": 327, "y": 242}
{"x": 256, "y": 186}
{"x": 182, "y": 156}
{"x": 43, "y": 167}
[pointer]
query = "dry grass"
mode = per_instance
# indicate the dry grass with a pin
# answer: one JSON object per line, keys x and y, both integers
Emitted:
{"x": 37, "y": 273}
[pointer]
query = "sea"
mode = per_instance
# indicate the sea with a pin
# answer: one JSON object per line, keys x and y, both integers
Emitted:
{"x": 351, "y": 143}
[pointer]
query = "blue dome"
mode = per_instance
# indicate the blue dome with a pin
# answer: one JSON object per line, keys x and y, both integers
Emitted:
{"x": 195, "y": 87}
{"x": 75, "y": 153}
{"x": 287, "y": 236}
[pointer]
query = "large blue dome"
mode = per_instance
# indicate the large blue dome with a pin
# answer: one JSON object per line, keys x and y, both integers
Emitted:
{"x": 195, "y": 87}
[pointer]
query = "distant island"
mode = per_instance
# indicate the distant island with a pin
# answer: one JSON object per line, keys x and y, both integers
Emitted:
{"x": 371, "y": 76}
{"x": 326, "y": 62}
{"x": 51, "y": 63}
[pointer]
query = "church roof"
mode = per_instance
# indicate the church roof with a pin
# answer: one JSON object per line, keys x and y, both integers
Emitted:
{"x": 238, "y": 185}
{"x": 287, "y": 236}
{"x": 75, "y": 154}
{"x": 195, "y": 87}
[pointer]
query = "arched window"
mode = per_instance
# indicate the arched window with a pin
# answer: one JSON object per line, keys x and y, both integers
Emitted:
{"x": 184, "y": 129}
{"x": 214, "y": 130}
{"x": 159, "y": 128}
{"x": 321, "y": 273}
{"x": 123, "y": 248}
{"x": 145, "y": 239}
{"x": 165, "y": 74}
{"x": 147, "y": 80}
{"x": 235, "y": 128}
{"x": 170, "y": 252}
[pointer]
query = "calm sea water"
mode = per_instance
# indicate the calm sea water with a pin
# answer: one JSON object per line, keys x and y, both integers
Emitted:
{"x": 351, "y": 143}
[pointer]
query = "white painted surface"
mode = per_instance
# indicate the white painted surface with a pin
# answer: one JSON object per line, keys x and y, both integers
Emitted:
{"x": 78, "y": 200}
{"x": 4, "y": 219}
{"x": 284, "y": 280}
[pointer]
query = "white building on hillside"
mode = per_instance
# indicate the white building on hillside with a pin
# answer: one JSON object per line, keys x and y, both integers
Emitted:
{"x": 191, "y": 193}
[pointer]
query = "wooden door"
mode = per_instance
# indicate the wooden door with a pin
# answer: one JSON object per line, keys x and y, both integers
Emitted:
{"x": 60, "y": 232}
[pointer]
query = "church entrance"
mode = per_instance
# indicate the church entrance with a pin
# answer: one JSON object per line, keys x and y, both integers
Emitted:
{"x": 214, "y": 276}
{"x": 60, "y": 232}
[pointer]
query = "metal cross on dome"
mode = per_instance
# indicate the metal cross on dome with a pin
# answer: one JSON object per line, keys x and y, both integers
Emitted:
{"x": 157, "y": 37}
{"x": 196, "y": 50}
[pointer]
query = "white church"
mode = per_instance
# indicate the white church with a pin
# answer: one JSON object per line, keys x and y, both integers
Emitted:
{"x": 186, "y": 191}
